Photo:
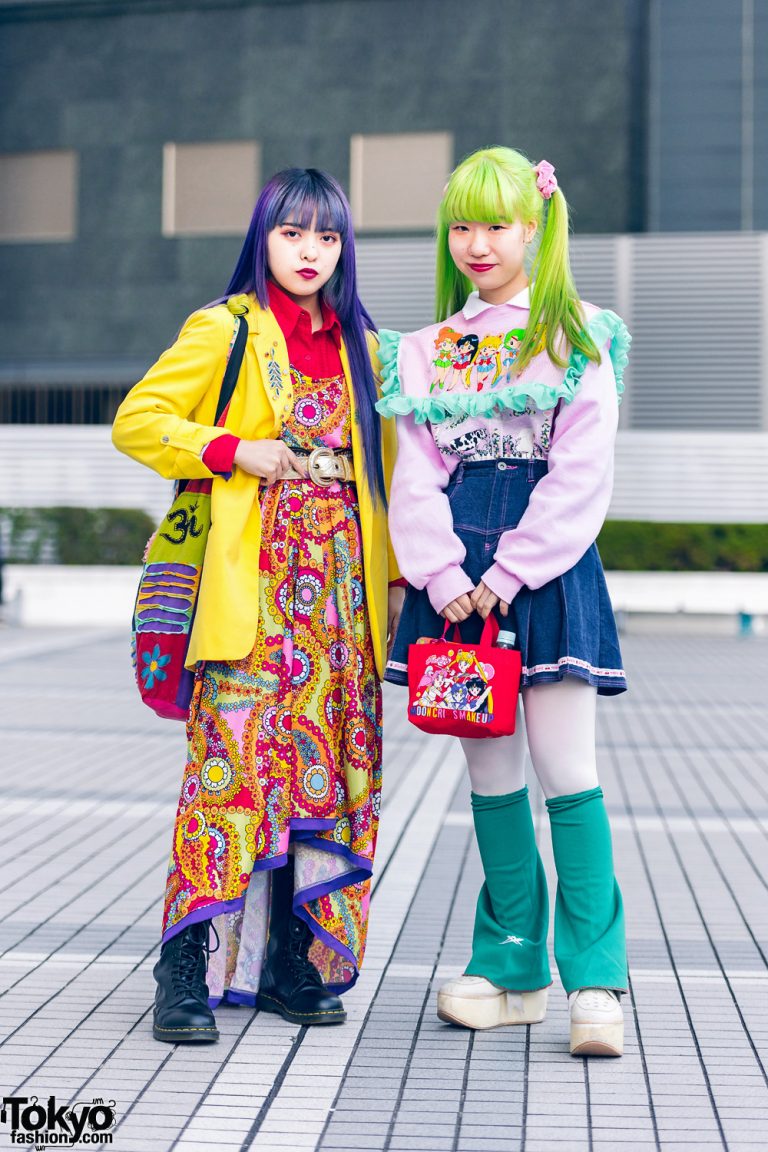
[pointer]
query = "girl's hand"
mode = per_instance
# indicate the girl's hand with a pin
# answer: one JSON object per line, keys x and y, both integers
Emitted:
{"x": 458, "y": 609}
{"x": 269, "y": 459}
{"x": 484, "y": 601}
{"x": 394, "y": 609}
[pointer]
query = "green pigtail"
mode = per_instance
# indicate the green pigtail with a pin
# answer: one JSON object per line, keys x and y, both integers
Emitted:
{"x": 498, "y": 185}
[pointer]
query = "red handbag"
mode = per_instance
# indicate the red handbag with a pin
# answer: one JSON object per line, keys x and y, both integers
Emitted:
{"x": 458, "y": 689}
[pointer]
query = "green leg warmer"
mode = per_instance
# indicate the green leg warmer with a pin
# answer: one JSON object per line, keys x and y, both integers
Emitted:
{"x": 590, "y": 948}
{"x": 509, "y": 945}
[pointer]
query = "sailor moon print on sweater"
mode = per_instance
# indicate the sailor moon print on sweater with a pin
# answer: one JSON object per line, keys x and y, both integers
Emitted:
{"x": 459, "y": 377}
{"x": 464, "y": 361}
{"x": 446, "y": 349}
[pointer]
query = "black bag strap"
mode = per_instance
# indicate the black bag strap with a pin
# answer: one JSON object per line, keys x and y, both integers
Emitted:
{"x": 228, "y": 382}
{"x": 233, "y": 367}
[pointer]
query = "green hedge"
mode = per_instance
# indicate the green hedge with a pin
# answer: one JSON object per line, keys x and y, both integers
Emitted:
{"x": 74, "y": 535}
{"x": 638, "y": 546}
{"x": 118, "y": 536}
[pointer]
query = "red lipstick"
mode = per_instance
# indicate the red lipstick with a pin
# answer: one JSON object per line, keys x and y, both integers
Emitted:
{"x": 307, "y": 273}
{"x": 482, "y": 267}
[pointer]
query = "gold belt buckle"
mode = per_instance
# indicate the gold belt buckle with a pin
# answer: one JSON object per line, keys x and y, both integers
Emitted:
{"x": 322, "y": 465}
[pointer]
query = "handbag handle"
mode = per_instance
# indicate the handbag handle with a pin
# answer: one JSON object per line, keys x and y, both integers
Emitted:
{"x": 488, "y": 636}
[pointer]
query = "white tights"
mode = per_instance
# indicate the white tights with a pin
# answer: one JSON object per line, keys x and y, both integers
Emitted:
{"x": 559, "y": 731}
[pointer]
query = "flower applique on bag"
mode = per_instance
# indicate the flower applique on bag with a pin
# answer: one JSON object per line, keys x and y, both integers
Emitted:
{"x": 170, "y": 580}
{"x": 459, "y": 689}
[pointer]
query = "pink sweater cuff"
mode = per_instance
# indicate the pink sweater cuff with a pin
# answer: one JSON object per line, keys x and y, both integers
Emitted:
{"x": 502, "y": 583}
{"x": 448, "y": 585}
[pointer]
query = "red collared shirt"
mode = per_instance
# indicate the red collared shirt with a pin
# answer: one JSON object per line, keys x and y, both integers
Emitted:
{"x": 314, "y": 354}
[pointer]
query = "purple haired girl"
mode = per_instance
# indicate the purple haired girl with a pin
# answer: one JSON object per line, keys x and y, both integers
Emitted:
{"x": 276, "y": 827}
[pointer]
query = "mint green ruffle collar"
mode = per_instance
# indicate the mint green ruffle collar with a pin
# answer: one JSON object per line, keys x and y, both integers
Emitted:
{"x": 603, "y": 326}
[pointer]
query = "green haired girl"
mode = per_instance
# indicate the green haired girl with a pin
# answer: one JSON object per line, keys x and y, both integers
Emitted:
{"x": 497, "y": 185}
{"x": 498, "y": 494}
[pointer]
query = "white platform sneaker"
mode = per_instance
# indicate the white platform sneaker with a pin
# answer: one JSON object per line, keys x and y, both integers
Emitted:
{"x": 474, "y": 1002}
{"x": 597, "y": 1023}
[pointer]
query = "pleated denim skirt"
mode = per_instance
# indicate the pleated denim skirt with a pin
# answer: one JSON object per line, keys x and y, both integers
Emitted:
{"x": 564, "y": 628}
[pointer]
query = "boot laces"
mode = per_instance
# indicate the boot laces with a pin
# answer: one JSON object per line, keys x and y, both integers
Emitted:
{"x": 298, "y": 946}
{"x": 189, "y": 955}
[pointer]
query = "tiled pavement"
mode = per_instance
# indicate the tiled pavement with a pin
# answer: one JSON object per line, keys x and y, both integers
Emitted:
{"x": 89, "y": 787}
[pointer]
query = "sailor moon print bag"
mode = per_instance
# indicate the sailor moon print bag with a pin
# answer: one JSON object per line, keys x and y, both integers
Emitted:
{"x": 459, "y": 689}
{"x": 173, "y": 564}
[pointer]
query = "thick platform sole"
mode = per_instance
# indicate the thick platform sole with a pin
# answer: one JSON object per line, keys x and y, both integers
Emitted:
{"x": 597, "y": 1039}
{"x": 504, "y": 1010}
{"x": 185, "y": 1035}
{"x": 268, "y": 1004}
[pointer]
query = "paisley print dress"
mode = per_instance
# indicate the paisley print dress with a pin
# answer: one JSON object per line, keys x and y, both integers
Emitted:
{"x": 284, "y": 747}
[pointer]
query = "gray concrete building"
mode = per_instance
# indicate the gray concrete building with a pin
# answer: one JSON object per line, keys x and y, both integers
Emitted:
{"x": 707, "y": 128}
{"x": 112, "y": 84}
{"x": 135, "y": 134}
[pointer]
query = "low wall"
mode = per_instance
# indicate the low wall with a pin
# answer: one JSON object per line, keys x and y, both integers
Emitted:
{"x": 55, "y": 595}
{"x": 45, "y": 595}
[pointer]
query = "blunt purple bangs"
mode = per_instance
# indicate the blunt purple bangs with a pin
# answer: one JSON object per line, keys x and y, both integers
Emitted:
{"x": 298, "y": 194}
{"x": 304, "y": 195}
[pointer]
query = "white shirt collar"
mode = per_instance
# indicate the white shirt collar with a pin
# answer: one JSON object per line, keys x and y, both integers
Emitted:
{"x": 474, "y": 305}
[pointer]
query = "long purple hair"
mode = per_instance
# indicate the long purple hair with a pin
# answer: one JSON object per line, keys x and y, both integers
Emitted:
{"x": 303, "y": 195}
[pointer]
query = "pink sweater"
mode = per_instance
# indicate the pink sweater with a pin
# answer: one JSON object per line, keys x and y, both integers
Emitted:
{"x": 437, "y": 396}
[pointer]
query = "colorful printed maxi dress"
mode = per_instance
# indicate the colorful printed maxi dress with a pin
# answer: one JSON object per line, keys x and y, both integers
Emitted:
{"x": 285, "y": 745}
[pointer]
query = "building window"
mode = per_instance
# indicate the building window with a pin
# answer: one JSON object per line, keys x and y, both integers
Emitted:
{"x": 38, "y": 196}
{"x": 209, "y": 189}
{"x": 397, "y": 180}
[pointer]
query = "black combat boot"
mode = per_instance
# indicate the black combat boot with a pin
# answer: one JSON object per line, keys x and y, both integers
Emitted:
{"x": 182, "y": 1015}
{"x": 290, "y": 985}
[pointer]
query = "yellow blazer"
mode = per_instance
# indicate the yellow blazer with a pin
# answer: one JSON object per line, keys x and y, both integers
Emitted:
{"x": 167, "y": 420}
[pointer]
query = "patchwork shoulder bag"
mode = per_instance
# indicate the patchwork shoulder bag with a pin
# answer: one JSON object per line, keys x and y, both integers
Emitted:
{"x": 170, "y": 580}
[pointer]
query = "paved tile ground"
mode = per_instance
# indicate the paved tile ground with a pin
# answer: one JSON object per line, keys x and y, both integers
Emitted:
{"x": 89, "y": 783}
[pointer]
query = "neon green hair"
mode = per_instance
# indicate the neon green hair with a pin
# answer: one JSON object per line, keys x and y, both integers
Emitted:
{"x": 498, "y": 185}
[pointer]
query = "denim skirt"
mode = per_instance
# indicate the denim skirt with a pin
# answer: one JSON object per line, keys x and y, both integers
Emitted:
{"x": 564, "y": 628}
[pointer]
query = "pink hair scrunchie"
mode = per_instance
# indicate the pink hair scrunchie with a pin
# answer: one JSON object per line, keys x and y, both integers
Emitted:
{"x": 546, "y": 181}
